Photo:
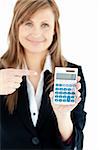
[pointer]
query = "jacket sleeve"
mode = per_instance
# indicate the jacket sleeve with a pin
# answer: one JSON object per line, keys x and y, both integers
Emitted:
{"x": 78, "y": 116}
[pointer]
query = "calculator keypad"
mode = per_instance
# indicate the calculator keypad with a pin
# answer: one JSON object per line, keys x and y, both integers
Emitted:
{"x": 64, "y": 92}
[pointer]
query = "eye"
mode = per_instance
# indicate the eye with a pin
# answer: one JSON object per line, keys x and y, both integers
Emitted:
{"x": 29, "y": 24}
{"x": 45, "y": 25}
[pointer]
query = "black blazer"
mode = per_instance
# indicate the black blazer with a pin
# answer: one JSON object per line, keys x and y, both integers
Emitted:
{"x": 18, "y": 131}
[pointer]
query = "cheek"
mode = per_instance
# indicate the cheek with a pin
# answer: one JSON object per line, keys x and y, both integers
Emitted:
{"x": 49, "y": 35}
{"x": 22, "y": 34}
{"x": 22, "y": 31}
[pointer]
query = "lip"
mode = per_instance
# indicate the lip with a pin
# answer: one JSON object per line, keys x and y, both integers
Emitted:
{"x": 35, "y": 41}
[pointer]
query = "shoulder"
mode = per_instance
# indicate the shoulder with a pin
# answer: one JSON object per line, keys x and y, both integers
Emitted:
{"x": 72, "y": 65}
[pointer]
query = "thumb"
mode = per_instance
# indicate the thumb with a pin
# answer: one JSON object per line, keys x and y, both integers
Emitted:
{"x": 51, "y": 95}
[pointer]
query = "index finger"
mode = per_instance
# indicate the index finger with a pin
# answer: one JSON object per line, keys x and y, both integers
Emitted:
{"x": 26, "y": 72}
{"x": 23, "y": 72}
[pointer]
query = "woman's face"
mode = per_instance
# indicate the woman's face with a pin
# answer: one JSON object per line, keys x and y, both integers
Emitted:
{"x": 36, "y": 34}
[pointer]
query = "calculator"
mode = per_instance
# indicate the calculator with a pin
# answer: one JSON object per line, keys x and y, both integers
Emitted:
{"x": 65, "y": 80}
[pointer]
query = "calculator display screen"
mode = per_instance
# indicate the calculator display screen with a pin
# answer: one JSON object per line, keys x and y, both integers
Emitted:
{"x": 65, "y": 76}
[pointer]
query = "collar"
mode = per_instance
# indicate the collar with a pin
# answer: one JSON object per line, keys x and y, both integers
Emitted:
{"x": 47, "y": 64}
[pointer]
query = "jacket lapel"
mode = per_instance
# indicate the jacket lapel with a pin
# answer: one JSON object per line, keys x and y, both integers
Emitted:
{"x": 45, "y": 108}
{"x": 23, "y": 104}
{"x": 23, "y": 107}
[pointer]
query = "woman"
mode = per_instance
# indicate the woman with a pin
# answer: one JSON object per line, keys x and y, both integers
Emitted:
{"x": 29, "y": 118}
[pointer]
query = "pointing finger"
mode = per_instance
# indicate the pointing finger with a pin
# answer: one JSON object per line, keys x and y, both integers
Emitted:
{"x": 23, "y": 72}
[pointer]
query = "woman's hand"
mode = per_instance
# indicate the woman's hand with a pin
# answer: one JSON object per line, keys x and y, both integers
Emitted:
{"x": 58, "y": 109}
{"x": 63, "y": 113}
{"x": 10, "y": 79}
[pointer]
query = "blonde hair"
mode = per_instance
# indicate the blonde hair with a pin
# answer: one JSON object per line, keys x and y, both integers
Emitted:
{"x": 14, "y": 56}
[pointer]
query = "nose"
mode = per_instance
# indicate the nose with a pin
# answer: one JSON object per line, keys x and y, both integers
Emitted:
{"x": 36, "y": 32}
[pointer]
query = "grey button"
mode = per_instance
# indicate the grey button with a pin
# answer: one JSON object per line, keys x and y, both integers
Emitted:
{"x": 35, "y": 140}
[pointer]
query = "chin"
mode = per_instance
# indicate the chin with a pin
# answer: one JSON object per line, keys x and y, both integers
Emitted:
{"x": 36, "y": 50}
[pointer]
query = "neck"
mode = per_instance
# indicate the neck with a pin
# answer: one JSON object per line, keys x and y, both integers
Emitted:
{"x": 35, "y": 61}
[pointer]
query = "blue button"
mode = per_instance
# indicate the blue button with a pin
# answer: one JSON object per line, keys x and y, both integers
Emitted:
{"x": 69, "y": 89}
{"x": 72, "y": 100}
{"x": 64, "y": 96}
{"x": 61, "y": 88}
{"x": 60, "y": 92}
{"x": 56, "y": 92}
{"x": 56, "y": 95}
{"x": 73, "y": 93}
{"x": 64, "y": 100}
{"x": 60, "y": 96}
{"x": 65, "y": 89}
{"x": 56, "y": 100}
{"x": 60, "y": 100}
{"x": 72, "y": 96}
{"x": 57, "y": 89}
{"x": 69, "y": 93}
{"x": 68, "y": 98}
{"x": 64, "y": 92}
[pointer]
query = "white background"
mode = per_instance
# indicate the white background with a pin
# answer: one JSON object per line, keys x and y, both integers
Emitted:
{"x": 79, "y": 21}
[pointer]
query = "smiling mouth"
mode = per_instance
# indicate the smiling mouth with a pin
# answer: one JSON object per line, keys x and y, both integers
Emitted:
{"x": 36, "y": 41}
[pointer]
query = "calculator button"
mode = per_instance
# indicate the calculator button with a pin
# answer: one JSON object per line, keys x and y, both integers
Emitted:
{"x": 64, "y": 96}
{"x": 73, "y": 93}
{"x": 56, "y": 92}
{"x": 61, "y": 88}
{"x": 72, "y": 100}
{"x": 65, "y": 89}
{"x": 69, "y": 93}
{"x": 73, "y": 89}
{"x": 74, "y": 85}
{"x": 56, "y": 100}
{"x": 64, "y": 84}
{"x": 56, "y": 95}
{"x": 64, "y": 100}
{"x": 68, "y": 98}
{"x": 73, "y": 97}
{"x": 64, "y": 92}
{"x": 60, "y": 96}
{"x": 56, "y": 88}
{"x": 60, "y": 100}
{"x": 69, "y": 89}
{"x": 59, "y": 92}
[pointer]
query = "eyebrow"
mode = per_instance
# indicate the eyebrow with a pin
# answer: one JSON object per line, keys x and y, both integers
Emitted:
{"x": 41, "y": 21}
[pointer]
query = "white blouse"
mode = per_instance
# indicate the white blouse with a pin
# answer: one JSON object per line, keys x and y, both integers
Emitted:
{"x": 35, "y": 98}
